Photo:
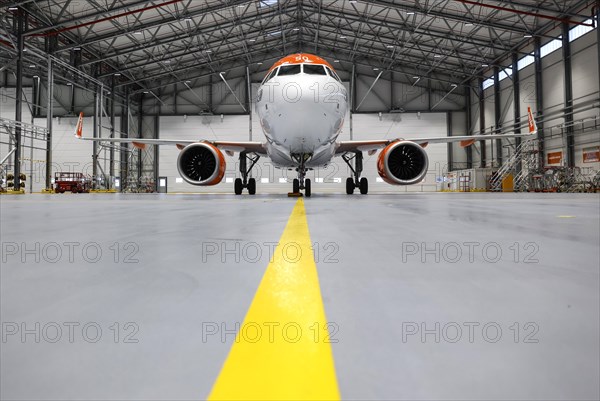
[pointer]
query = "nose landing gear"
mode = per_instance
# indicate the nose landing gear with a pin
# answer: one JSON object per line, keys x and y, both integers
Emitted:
{"x": 355, "y": 182}
{"x": 245, "y": 182}
{"x": 302, "y": 183}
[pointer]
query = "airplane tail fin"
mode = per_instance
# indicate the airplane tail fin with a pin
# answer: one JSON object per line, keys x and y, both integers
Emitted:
{"x": 533, "y": 129}
{"x": 79, "y": 126}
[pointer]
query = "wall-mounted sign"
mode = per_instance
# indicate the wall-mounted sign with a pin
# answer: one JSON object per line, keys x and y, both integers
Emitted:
{"x": 591, "y": 155}
{"x": 554, "y": 157}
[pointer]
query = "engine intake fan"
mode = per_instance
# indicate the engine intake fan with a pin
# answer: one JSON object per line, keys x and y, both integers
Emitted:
{"x": 201, "y": 164}
{"x": 403, "y": 163}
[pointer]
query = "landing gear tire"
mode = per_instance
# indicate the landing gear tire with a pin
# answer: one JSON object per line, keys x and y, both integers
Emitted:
{"x": 307, "y": 189}
{"x": 251, "y": 186}
{"x": 238, "y": 186}
{"x": 350, "y": 186}
{"x": 245, "y": 182}
{"x": 364, "y": 186}
{"x": 296, "y": 186}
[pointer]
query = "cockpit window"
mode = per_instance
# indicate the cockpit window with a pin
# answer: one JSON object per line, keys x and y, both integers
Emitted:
{"x": 289, "y": 70}
{"x": 333, "y": 74}
{"x": 270, "y": 75}
{"x": 314, "y": 69}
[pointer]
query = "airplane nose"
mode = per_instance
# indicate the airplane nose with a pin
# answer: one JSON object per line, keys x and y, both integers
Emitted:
{"x": 300, "y": 112}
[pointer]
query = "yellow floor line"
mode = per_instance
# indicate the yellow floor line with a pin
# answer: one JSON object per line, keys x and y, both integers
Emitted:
{"x": 282, "y": 350}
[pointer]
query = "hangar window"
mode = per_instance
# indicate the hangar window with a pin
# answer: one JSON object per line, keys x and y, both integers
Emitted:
{"x": 488, "y": 82}
{"x": 580, "y": 30}
{"x": 504, "y": 73}
{"x": 314, "y": 69}
{"x": 267, "y": 3}
{"x": 289, "y": 70}
{"x": 550, "y": 47}
{"x": 525, "y": 61}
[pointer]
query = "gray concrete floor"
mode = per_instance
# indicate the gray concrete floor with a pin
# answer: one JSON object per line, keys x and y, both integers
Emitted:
{"x": 389, "y": 265}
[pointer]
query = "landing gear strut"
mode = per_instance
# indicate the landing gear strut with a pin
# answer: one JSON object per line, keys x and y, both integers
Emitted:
{"x": 301, "y": 182}
{"x": 245, "y": 182}
{"x": 355, "y": 182}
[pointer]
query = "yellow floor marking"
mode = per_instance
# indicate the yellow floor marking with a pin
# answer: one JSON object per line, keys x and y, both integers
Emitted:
{"x": 282, "y": 350}
{"x": 566, "y": 217}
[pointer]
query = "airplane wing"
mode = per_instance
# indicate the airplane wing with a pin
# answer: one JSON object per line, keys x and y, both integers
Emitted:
{"x": 465, "y": 140}
{"x": 229, "y": 146}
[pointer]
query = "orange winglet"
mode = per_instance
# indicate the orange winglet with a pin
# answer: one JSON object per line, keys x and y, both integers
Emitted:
{"x": 466, "y": 143}
{"x": 532, "y": 125}
{"x": 79, "y": 126}
{"x": 139, "y": 145}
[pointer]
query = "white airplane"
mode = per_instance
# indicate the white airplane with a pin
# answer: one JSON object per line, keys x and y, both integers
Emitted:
{"x": 301, "y": 105}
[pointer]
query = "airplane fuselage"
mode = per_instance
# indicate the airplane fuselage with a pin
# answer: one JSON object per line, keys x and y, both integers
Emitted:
{"x": 301, "y": 105}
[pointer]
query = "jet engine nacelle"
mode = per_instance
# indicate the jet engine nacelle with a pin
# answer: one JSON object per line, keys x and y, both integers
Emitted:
{"x": 403, "y": 163}
{"x": 201, "y": 164}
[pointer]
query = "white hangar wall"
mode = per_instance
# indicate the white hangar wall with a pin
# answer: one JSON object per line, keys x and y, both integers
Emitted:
{"x": 585, "y": 87}
{"x": 68, "y": 153}
{"x": 269, "y": 178}
{"x": 185, "y": 113}
{"x": 459, "y": 128}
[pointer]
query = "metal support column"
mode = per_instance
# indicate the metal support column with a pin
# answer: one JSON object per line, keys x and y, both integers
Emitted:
{"x": 175, "y": 99}
{"x": 497, "y": 116}
{"x": 95, "y": 135}
{"x": 516, "y": 104}
{"x": 429, "y": 94}
{"x": 70, "y": 85}
{"x": 124, "y": 134}
{"x": 249, "y": 101}
{"x": 140, "y": 130}
{"x": 156, "y": 148}
{"x": 482, "y": 123}
{"x": 570, "y": 132}
{"x": 392, "y": 97}
{"x": 352, "y": 100}
{"x": 100, "y": 126}
{"x": 19, "y": 99}
{"x": 210, "y": 95}
{"x": 469, "y": 126}
{"x": 539, "y": 97}
{"x": 449, "y": 133}
{"x": 111, "y": 166}
{"x": 35, "y": 97}
{"x": 598, "y": 39}
{"x": 49, "y": 117}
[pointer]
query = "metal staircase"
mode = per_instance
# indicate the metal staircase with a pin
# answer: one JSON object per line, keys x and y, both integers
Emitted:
{"x": 524, "y": 156}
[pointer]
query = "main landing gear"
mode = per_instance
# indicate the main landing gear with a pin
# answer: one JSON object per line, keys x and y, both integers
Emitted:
{"x": 245, "y": 182}
{"x": 357, "y": 182}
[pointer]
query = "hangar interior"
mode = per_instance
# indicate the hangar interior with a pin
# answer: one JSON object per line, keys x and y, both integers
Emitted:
{"x": 433, "y": 291}
{"x": 191, "y": 69}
